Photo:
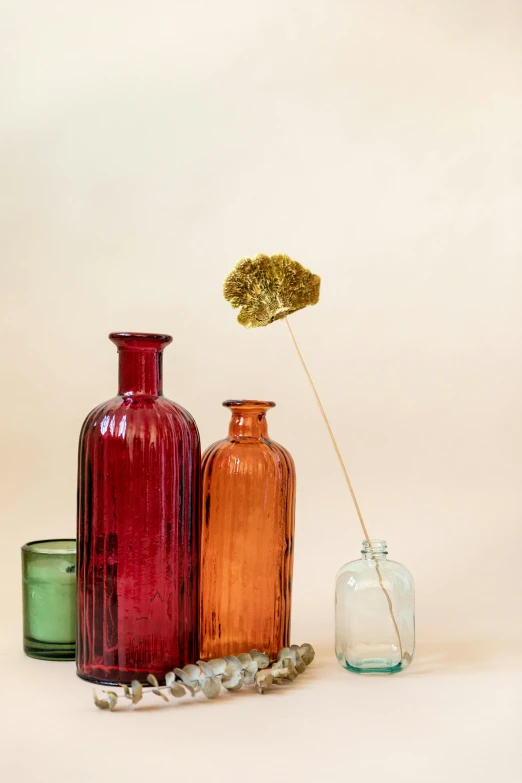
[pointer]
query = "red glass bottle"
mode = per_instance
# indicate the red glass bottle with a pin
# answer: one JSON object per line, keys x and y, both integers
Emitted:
{"x": 247, "y": 538}
{"x": 138, "y": 525}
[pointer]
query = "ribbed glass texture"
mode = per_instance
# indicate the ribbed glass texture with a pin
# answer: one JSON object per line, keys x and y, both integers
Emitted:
{"x": 247, "y": 538}
{"x": 374, "y": 613}
{"x": 138, "y": 525}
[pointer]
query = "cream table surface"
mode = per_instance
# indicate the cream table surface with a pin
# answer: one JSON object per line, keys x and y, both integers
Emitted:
{"x": 455, "y": 715}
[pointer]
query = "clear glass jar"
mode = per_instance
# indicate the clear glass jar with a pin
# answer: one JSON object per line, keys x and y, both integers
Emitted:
{"x": 374, "y": 613}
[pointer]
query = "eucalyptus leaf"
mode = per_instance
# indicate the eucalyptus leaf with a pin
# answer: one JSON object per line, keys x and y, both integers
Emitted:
{"x": 126, "y": 690}
{"x": 248, "y": 678}
{"x": 289, "y": 664}
{"x": 207, "y": 670}
{"x": 106, "y": 704}
{"x": 211, "y": 687}
{"x": 170, "y": 679}
{"x": 300, "y": 665}
{"x": 137, "y": 691}
{"x": 218, "y": 665}
{"x": 232, "y": 682}
{"x": 250, "y": 667}
{"x": 262, "y": 659}
{"x": 286, "y": 652}
{"x": 286, "y": 672}
{"x": 194, "y": 675}
{"x": 236, "y": 687}
{"x": 249, "y": 674}
{"x": 233, "y": 665}
{"x": 180, "y": 674}
{"x": 102, "y": 704}
{"x": 152, "y": 679}
{"x": 177, "y": 690}
{"x": 307, "y": 653}
{"x": 263, "y": 680}
{"x": 113, "y": 699}
{"x": 192, "y": 685}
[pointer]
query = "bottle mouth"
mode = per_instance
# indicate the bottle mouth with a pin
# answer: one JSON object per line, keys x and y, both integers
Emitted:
{"x": 374, "y": 546}
{"x": 140, "y": 340}
{"x": 249, "y": 404}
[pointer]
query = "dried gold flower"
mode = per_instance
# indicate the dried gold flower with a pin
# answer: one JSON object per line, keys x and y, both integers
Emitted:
{"x": 267, "y": 288}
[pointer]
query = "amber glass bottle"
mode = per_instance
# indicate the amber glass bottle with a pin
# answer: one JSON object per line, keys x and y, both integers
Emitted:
{"x": 247, "y": 538}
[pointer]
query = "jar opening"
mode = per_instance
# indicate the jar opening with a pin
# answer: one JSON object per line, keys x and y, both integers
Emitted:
{"x": 374, "y": 546}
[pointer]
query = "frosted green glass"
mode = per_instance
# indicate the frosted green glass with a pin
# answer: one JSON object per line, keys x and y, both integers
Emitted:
{"x": 49, "y": 599}
{"x": 369, "y": 639}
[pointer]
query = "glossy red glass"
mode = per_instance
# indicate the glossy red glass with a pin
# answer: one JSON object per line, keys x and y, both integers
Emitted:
{"x": 247, "y": 538}
{"x": 138, "y": 525}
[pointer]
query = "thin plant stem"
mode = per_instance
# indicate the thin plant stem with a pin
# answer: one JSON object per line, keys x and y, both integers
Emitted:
{"x": 347, "y": 478}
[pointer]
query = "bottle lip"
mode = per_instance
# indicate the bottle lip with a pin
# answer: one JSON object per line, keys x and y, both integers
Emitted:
{"x": 248, "y": 404}
{"x": 140, "y": 339}
{"x": 374, "y": 546}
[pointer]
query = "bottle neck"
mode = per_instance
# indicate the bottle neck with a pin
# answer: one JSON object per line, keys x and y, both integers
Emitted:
{"x": 249, "y": 426}
{"x": 248, "y": 420}
{"x": 140, "y": 372}
{"x": 140, "y": 363}
{"x": 374, "y": 549}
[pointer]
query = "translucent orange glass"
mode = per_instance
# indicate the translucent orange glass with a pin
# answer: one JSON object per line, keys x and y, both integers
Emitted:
{"x": 247, "y": 538}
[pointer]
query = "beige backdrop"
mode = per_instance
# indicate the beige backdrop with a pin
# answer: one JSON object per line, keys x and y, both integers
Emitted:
{"x": 146, "y": 147}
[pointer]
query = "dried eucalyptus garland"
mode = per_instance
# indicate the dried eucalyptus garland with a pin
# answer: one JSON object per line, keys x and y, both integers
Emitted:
{"x": 230, "y": 672}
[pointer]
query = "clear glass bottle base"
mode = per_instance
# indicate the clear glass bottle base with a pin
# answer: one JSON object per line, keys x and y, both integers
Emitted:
{"x": 376, "y": 666}
{"x": 50, "y": 651}
{"x": 374, "y": 661}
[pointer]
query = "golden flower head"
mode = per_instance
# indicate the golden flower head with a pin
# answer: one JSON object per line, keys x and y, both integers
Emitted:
{"x": 267, "y": 288}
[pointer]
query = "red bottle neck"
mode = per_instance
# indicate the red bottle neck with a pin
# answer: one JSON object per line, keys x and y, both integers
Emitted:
{"x": 140, "y": 372}
{"x": 140, "y": 363}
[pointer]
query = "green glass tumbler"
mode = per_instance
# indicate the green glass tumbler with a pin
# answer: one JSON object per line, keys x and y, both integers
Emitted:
{"x": 49, "y": 599}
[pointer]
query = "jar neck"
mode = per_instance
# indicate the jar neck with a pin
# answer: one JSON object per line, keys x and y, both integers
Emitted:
{"x": 248, "y": 420}
{"x": 140, "y": 363}
{"x": 374, "y": 549}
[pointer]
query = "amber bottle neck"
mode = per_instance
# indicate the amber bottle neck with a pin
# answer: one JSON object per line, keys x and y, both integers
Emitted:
{"x": 248, "y": 419}
{"x": 248, "y": 425}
